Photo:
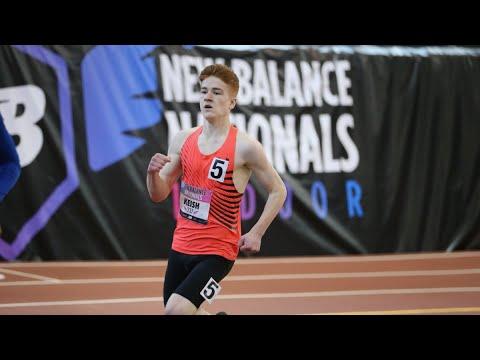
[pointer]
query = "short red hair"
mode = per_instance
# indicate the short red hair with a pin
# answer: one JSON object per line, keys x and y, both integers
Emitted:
{"x": 224, "y": 73}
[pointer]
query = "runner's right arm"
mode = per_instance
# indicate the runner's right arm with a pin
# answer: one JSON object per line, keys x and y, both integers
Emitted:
{"x": 164, "y": 170}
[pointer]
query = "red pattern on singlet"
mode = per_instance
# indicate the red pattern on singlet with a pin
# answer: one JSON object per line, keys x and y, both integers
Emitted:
{"x": 221, "y": 233}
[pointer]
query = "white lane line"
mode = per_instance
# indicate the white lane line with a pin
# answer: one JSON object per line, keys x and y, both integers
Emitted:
{"x": 33, "y": 276}
{"x": 372, "y": 274}
{"x": 83, "y": 302}
{"x": 256, "y": 296}
{"x": 359, "y": 258}
{"x": 351, "y": 293}
{"x": 86, "y": 281}
{"x": 260, "y": 260}
{"x": 407, "y": 311}
{"x": 54, "y": 264}
{"x": 369, "y": 274}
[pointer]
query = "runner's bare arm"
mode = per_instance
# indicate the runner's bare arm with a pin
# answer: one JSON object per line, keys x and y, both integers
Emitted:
{"x": 256, "y": 160}
{"x": 164, "y": 170}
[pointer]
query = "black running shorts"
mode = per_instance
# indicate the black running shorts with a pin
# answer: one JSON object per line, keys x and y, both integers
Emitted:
{"x": 190, "y": 275}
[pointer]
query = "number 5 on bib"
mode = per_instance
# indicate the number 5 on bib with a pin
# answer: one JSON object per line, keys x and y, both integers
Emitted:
{"x": 210, "y": 290}
{"x": 218, "y": 169}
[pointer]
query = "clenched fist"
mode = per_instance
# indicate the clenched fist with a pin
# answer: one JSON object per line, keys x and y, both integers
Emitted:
{"x": 157, "y": 162}
{"x": 250, "y": 243}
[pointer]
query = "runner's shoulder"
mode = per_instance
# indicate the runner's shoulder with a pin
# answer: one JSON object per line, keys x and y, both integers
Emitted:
{"x": 179, "y": 138}
{"x": 247, "y": 143}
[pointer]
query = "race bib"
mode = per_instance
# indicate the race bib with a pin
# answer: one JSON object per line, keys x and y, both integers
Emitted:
{"x": 218, "y": 169}
{"x": 195, "y": 203}
{"x": 210, "y": 290}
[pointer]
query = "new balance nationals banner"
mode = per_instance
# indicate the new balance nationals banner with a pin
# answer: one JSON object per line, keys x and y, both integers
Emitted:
{"x": 379, "y": 151}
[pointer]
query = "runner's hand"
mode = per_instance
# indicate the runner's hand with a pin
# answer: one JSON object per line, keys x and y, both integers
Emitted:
{"x": 157, "y": 162}
{"x": 250, "y": 243}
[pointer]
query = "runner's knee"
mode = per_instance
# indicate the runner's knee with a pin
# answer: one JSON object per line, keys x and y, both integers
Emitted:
{"x": 179, "y": 305}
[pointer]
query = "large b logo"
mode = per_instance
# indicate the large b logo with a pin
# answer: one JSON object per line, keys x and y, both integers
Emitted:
{"x": 22, "y": 107}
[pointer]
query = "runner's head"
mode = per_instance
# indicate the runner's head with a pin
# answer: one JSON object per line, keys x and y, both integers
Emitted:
{"x": 218, "y": 90}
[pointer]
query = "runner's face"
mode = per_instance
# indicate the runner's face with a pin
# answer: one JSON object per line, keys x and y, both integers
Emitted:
{"x": 215, "y": 98}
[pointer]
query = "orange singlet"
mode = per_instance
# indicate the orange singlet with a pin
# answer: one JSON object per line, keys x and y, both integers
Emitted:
{"x": 209, "y": 219}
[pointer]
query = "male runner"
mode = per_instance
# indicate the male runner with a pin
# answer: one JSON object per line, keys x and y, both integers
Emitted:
{"x": 215, "y": 162}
